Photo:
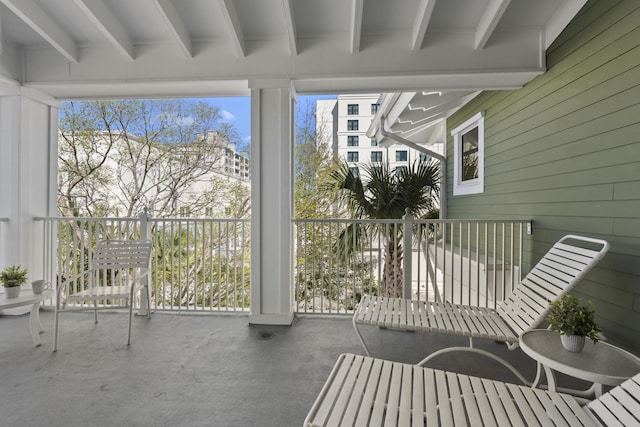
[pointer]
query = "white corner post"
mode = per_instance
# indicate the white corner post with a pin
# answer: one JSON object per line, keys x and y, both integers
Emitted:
{"x": 28, "y": 172}
{"x": 272, "y": 133}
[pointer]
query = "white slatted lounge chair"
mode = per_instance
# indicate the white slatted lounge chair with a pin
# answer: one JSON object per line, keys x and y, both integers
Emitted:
{"x": 116, "y": 272}
{"x": 525, "y": 308}
{"x": 363, "y": 391}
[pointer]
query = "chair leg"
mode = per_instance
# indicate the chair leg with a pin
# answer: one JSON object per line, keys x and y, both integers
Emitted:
{"x": 148, "y": 292}
{"x": 55, "y": 331}
{"x": 355, "y": 326}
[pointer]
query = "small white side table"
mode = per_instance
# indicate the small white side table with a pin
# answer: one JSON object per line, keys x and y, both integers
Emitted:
{"x": 599, "y": 363}
{"x": 27, "y": 297}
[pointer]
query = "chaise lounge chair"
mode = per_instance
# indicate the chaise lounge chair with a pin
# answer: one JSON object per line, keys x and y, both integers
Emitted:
{"x": 525, "y": 308}
{"x": 365, "y": 391}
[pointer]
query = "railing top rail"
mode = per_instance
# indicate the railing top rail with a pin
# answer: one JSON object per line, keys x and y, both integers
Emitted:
{"x": 235, "y": 220}
{"x": 135, "y": 218}
{"x": 417, "y": 220}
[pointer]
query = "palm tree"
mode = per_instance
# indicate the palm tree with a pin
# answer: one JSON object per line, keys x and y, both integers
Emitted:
{"x": 386, "y": 194}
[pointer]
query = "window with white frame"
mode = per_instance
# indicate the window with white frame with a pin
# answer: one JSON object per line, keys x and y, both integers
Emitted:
{"x": 468, "y": 149}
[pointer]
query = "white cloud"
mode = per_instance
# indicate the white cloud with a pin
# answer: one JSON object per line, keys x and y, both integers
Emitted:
{"x": 227, "y": 116}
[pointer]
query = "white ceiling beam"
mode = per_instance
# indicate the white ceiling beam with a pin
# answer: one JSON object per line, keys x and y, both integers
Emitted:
{"x": 290, "y": 24}
{"x": 560, "y": 19}
{"x": 108, "y": 25}
{"x": 423, "y": 16}
{"x": 356, "y": 24}
{"x": 176, "y": 26}
{"x": 489, "y": 20}
{"x": 233, "y": 24}
{"x": 39, "y": 21}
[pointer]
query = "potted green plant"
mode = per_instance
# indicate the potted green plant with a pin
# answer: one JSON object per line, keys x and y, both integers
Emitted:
{"x": 12, "y": 278}
{"x": 575, "y": 320}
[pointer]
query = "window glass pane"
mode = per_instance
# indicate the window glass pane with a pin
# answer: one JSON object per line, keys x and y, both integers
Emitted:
{"x": 352, "y": 125}
{"x": 401, "y": 156}
{"x": 352, "y": 109}
{"x": 376, "y": 156}
{"x": 470, "y": 155}
{"x": 352, "y": 156}
{"x": 355, "y": 171}
{"x": 352, "y": 140}
{"x": 401, "y": 170}
{"x": 374, "y": 142}
{"x": 424, "y": 157}
{"x": 374, "y": 108}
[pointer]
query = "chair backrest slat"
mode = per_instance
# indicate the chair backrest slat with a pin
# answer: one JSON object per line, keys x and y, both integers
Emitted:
{"x": 120, "y": 254}
{"x": 554, "y": 275}
{"x": 620, "y": 406}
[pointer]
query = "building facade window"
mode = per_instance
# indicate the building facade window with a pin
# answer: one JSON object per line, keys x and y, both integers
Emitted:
{"x": 352, "y": 125}
{"x": 355, "y": 171}
{"x": 374, "y": 142}
{"x": 376, "y": 156}
{"x": 352, "y": 156}
{"x": 425, "y": 157}
{"x": 468, "y": 147}
{"x": 352, "y": 140}
{"x": 401, "y": 170}
{"x": 401, "y": 156}
{"x": 353, "y": 109}
{"x": 374, "y": 108}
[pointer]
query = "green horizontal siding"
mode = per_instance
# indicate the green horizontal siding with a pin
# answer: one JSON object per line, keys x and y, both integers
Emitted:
{"x": 565, "y": 152}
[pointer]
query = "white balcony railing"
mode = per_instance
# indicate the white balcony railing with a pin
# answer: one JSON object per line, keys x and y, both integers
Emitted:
{"x": 461, "y": 261}
{"x": 204, "y": 264}
{"x": 196, "y": 264}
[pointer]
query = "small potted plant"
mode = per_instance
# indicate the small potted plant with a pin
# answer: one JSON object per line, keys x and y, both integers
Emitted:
{"x": 575, "y": 320}
{"x": 12, "y": 278}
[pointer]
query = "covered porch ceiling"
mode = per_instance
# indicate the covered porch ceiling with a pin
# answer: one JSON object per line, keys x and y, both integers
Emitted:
{"x": 74, "y": 49}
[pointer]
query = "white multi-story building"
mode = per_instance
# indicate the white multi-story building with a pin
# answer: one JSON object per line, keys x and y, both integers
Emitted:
{"x": 343, "y": 123}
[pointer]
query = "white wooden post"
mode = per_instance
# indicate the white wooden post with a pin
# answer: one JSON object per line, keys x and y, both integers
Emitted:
{"x": 408, "y": 254}
{"x": 272, "y": 132}
{"x": 145, "y": 233}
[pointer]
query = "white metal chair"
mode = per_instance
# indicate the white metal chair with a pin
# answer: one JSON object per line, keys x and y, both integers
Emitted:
{"x": 365, "y": 391}
{"x": 525, "y": 308}
{"x": 117, "y": 270}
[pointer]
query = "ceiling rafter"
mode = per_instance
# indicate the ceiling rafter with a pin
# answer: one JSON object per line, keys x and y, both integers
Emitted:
{"x": 423, "y": 16}
{"x": 39, "y": 21}
{"x": 233, "y": 23}
{"x": 175, "y": 25}
{"x": 357, "y": 7}
{"x": 290, "y": 23}
{"x": 489, "y": 20}
{"x": 108, "y": 25}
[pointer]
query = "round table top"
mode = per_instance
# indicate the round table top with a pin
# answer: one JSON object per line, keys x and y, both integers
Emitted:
{"x": 26, "y": 297}
{"x": 599, "y": 362}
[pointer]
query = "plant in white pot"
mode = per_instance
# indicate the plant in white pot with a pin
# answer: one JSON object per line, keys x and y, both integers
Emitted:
{"x": 575, "y": 320}
{"x": 12, "y": 278}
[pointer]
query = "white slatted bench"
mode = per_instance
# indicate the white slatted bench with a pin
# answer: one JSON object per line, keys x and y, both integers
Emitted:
{"x": 525, "y": 308}
{"x": 363, "y": 391}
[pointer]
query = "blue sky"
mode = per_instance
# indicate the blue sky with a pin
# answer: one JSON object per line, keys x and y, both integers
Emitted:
{"x": 237, "y": 111}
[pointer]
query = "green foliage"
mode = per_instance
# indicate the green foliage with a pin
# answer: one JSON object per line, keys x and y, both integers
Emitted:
{"x": 13, "y": 275}
{"x": 571, "y": 316}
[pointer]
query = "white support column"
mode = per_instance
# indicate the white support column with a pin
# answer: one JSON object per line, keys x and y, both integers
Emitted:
{"x": 28, "y": 171}
{"x": 272, "y": 131}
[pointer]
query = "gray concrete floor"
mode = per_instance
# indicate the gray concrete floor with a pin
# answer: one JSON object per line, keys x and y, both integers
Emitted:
{"x": 195, "y": 370}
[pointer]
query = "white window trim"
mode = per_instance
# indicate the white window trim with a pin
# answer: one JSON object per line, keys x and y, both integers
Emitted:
{"x": 473, "y": 186}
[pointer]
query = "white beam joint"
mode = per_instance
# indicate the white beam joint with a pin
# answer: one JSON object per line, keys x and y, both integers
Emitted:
{"x": 39, "y": 21}
{"x": 289, "y": 20}
{"x": 233, "y": 24}
{"x": 423, "y": 16}
{"x": 356, "y": 24}
{"x": 108, "y": 25}
{"x": 176, "y": 26}
{"x": 488, "y": 22}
